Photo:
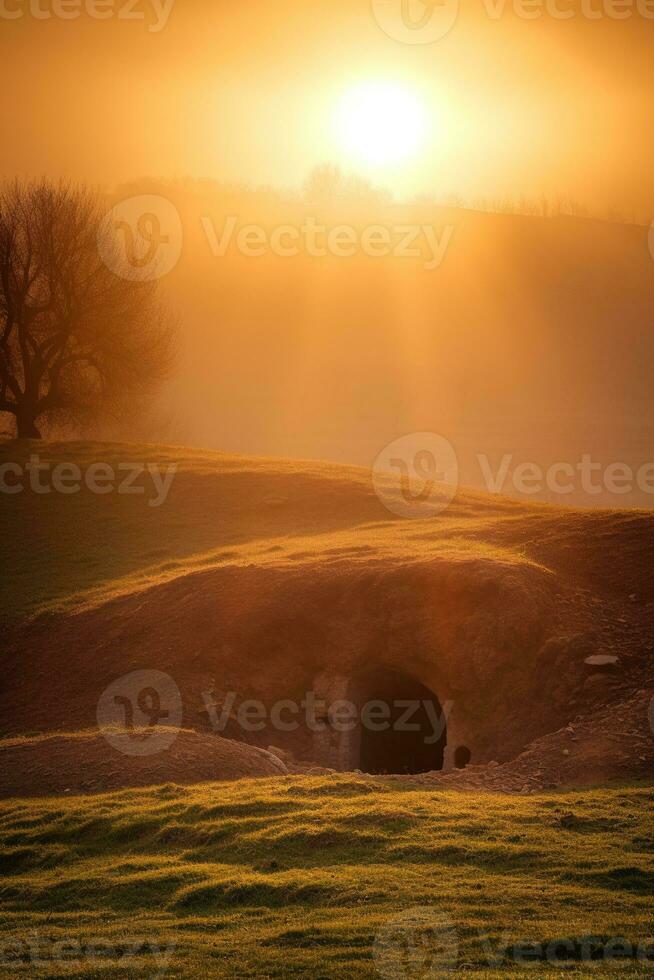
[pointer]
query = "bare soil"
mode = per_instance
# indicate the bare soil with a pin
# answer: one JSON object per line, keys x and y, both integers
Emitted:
{"x": 86, "y": 763}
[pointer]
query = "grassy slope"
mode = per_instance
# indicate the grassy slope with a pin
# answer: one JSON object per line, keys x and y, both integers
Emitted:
{"x": 230, "y": 509}
{"x": 295, "y": 877}
{"x": 220, "y": 509}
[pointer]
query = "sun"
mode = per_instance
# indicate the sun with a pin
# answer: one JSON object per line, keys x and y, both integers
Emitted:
{"x": 380, "y": 123}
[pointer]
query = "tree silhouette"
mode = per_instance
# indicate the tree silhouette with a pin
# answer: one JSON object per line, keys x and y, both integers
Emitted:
{"x": 77, "y": 341}
{"x": 327, "y": 184}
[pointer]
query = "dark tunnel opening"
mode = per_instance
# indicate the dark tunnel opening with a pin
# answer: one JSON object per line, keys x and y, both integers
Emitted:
{"x": 403, "y": 728}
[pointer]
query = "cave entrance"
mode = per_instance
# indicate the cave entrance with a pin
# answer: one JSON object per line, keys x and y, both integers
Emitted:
{"x": 403, "y": 728}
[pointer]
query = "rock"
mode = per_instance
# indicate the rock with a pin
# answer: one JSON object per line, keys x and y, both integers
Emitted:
{"x": 603, "y": 661}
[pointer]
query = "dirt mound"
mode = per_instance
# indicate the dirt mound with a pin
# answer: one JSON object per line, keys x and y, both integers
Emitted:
{"x": 615, "y": 743}
{"x": 85, "y": 762}
{"x": 270, "y": 632}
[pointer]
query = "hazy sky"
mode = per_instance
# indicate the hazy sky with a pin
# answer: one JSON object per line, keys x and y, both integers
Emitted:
{"x": 250, "y": 90}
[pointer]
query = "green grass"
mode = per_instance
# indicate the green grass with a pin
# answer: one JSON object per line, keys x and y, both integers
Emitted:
{"x": 64, "y": 549}
{"x": 296, "y": 877}
{"x": 69, "y": 550}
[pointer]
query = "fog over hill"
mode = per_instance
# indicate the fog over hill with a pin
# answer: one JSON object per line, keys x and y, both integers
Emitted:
{"x": 523, "y": 336}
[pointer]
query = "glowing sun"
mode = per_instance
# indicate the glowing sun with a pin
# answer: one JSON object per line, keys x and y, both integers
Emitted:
{"x": 380, "y": 123}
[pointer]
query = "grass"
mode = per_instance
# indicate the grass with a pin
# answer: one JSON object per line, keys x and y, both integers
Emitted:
{"x": 70, "y": 550}
{"x": 297, "y": 877}
{"x": 67, "y": 549}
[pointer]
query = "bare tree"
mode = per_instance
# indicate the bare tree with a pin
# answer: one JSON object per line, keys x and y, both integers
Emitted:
{"x": 77, "y": 341}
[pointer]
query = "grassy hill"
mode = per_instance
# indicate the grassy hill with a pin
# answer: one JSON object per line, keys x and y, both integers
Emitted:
{"x": 255, "y": 575}
{"x": 65, "y": 549}
{"x": 220, "y": 508}
{"x": 300, "y": 877}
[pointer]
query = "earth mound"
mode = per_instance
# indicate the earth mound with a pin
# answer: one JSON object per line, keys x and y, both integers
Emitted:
{"x": 270, "y": 580}
{"x": 85, "y": 762}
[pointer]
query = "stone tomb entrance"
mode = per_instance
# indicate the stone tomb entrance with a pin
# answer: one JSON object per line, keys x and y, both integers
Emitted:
{"x": 415, "y": 737}
{"x": 401, "y": 726}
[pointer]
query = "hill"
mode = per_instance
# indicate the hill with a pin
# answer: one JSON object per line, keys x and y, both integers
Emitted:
{"x": 71, "y": 550}
{"x": 273, "y": 578}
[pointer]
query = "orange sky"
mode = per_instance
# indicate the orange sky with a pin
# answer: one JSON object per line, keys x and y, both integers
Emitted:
{"x": 248, "y": 91}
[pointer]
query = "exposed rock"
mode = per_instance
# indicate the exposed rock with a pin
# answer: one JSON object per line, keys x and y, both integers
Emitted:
{"x": 603, "y": 661}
